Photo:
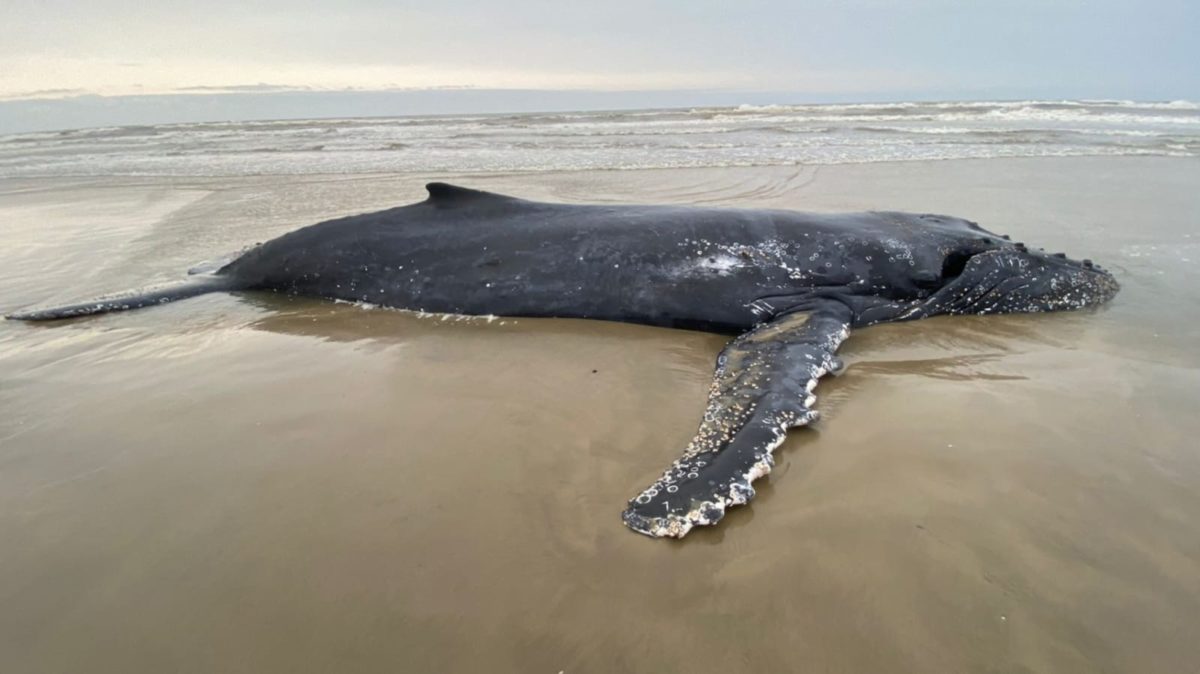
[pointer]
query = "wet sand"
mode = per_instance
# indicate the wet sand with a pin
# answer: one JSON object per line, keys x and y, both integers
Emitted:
{"x": 241, "y": 483}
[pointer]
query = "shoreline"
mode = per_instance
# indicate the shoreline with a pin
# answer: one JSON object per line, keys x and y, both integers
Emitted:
{"x": 450, "y": 176}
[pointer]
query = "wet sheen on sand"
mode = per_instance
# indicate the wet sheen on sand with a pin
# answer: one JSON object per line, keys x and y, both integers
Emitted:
{"x": 247, "y": 483}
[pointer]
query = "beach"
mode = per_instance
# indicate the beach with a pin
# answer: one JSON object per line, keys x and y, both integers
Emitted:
{"x": 252, "y": 483}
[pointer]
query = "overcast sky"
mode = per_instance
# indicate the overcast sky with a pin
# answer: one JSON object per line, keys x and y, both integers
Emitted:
{"x": 837, "y": 49}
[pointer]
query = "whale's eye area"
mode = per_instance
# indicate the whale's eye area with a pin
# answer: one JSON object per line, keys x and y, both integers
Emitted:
{"x": 954, "y": 264}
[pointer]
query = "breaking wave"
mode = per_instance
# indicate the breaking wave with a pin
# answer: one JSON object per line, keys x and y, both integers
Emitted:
{"x": 745, "y": 135}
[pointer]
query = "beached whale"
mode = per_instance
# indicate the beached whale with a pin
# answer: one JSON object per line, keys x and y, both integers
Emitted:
{"x": 789, "y": 284}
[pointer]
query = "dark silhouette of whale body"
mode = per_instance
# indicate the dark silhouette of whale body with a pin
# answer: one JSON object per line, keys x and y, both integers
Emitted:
{"x": 789, "y": 284}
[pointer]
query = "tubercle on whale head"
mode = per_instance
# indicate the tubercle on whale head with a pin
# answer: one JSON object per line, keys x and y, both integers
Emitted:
{"x": 1009, "y": 277}
{"x": 940, "y": 264}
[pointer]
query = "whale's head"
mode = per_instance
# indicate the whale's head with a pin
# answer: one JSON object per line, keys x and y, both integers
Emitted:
{"x": 929, "y": 265}
{"x": 991, "y": 275}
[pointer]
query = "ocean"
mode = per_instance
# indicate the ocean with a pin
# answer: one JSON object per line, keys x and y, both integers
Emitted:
{"x": 772, "y": 135}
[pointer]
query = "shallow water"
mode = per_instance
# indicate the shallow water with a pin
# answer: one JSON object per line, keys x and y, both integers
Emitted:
{"x": 245, "y": 483}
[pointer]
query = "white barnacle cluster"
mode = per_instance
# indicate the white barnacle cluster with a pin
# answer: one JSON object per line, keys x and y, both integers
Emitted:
{"x": 898, "y": 251}
{"x": 737, "y": 490}
{"x": 722, "y": 419}
{"x": 707, "y": 264}
{"x": 726, "y": 257}
{"x": 721, "y": 263}
{"x": 773, "y": 252}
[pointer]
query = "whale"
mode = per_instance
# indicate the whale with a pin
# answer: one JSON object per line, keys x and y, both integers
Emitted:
{"x": 787, "y": 286}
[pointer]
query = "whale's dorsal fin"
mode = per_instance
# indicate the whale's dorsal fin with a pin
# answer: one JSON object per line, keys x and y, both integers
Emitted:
{"x": 447, "y": 195}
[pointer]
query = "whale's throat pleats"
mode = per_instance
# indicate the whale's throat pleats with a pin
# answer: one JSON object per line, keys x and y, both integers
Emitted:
{"x": 762, "y": 387}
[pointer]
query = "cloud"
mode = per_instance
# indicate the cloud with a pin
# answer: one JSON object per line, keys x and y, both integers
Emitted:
{"x": 240, "y": 88}
{"x": 109, "y": 77}
{"x": 1104, "y": 48}
{"x": 45, "y": 93}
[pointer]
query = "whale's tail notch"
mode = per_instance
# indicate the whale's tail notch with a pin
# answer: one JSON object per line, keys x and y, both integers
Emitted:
{"x": 196, "y": 285}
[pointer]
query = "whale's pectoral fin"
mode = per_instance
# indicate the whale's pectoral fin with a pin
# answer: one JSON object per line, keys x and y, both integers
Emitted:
{"x": 762, "y": 387}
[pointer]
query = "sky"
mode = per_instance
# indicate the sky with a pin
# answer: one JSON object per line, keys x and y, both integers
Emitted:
{"x": 237, "y": 57}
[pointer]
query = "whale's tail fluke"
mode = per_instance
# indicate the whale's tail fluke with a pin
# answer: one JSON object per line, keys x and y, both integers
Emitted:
{"x": 197, "y": 285}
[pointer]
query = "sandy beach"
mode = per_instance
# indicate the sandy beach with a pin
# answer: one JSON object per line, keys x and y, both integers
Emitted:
{"x": 244, "y": 483}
